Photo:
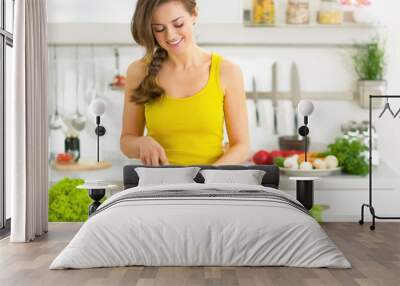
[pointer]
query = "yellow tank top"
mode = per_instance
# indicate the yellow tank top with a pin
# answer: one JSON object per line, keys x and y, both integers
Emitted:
{"x": 190, "y": 129}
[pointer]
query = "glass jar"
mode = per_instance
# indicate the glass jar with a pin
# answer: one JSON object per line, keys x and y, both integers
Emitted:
{"x": 72, "y": 146}
{"x": 330, "y": 12}
{"x": 263, "y": 12}
{"x": 298, "y": 12}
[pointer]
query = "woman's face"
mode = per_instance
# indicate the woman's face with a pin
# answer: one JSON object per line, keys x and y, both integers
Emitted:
{"x": 172, "y": 27}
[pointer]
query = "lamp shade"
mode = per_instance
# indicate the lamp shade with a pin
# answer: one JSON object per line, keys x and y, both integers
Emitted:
{"x": 97, "y": 107}
{"x": 305, "y": 107}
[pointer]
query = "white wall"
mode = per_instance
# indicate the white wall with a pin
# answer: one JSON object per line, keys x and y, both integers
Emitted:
{"x": 390, "y": 137}
{"x": 120, "y": 11}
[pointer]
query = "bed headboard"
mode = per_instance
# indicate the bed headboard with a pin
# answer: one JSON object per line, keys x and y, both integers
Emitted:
{"x": 270, "y": 179}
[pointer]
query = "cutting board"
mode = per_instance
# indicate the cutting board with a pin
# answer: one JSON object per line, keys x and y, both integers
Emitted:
{"x": 81, "y": 166}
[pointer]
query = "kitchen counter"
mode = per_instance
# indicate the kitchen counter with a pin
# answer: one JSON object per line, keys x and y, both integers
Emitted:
{"x": 344, "y": 194}
{"x": 383, "y": 178}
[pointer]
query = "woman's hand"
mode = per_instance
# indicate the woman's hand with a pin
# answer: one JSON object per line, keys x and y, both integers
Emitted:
{"x": 151, "y": 152}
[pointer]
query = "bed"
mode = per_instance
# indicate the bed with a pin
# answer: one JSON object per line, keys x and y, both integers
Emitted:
{"x": 197, "y": 224}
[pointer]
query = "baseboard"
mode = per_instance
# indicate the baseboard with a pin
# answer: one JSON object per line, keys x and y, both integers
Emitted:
{"x": 5, "y": 231}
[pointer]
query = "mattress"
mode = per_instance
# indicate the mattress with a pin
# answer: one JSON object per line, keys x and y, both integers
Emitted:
{"x": 201, "y": 225}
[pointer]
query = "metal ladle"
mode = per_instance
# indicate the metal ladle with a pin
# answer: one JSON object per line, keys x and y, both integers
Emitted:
{"x": 78, "y": 121}
{"x": 55, "y": 121}
{"x": 93, "y": 92}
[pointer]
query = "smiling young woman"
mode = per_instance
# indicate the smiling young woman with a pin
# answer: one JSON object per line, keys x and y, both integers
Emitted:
{"x": 181, "y": 93}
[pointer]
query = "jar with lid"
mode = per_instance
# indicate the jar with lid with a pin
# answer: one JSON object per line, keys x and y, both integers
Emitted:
{"x": 298, "y": 12}
{"x": 264, "y": 12}
{"x": 72, "y": 146}
{"x": 330, "y": 12}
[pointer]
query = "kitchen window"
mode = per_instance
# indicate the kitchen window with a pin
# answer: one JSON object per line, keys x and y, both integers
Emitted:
{"x": 6, "y": 44}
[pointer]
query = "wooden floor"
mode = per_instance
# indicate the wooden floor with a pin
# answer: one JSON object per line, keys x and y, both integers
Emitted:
{"x": 375, "y": 257}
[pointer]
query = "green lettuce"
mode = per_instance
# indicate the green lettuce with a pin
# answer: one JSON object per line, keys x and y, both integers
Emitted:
{"x": 350, "y": 156}
{"x": 67, "y": 203}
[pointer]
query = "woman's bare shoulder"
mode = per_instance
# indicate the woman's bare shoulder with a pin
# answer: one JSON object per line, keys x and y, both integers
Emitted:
{"x": 230, "y": 73}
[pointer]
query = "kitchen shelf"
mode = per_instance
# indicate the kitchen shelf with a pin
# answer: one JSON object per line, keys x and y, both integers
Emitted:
{"x": 345, "y": 25}
{"x": 81, "y": 166}
{"x": 223, "y": 34}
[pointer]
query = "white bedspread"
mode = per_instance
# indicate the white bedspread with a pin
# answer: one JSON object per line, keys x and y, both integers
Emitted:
{"x": 183, "y": 231}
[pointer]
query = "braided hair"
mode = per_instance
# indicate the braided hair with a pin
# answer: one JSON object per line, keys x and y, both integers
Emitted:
{"x": 148, "y": 90}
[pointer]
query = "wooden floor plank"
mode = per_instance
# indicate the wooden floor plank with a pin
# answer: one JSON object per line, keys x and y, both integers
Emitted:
{"x": 375, "y": 257}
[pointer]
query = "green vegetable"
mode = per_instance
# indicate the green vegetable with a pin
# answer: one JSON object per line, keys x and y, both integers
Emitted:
{"x": 67, "y": 203}
{"x": 369, "y": 61}
{"x": 279, "y": 161}
{"x": 349, "y": 154}
{"x": 316, "y": 212}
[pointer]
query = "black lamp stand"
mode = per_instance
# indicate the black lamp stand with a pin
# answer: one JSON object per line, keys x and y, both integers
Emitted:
{"x": 303, "y": 131}
{"x": 305, "y": 188}
{"x": 97, "y": 194}
{"x": 305, "y": 193}
{"x": 100, "y": 131}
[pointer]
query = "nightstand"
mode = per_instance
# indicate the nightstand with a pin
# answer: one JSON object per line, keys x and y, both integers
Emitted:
{"x": 96, "y": 190}
{"x": 305, "y": 190}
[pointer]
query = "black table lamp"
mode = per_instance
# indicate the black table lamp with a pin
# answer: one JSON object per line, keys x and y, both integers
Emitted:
{"x": 305, "y": 108}
{"x": 305, "y": 185}
{"x": 98, "y": 108}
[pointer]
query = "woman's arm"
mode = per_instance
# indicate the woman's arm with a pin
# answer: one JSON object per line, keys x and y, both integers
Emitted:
{"x": 132, "y": 142}
{"x": 235, "y": 115}
{"x": 133, "y": 121}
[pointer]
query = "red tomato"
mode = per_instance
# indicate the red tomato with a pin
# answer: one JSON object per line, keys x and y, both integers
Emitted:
{"x": 63, "y": 158}
{"x": 262, "y": 157}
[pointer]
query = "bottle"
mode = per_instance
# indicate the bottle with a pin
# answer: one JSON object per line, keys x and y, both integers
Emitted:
{"x": 264, "y": 12}
{"x": 67, "y": 143}
{"x": 298, "y": 12}
{"x": 72, "y": 146}
{"x": 330, "y": 12}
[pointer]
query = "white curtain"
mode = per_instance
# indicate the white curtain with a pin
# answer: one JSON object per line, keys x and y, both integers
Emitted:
{"x": 27, "y": 121}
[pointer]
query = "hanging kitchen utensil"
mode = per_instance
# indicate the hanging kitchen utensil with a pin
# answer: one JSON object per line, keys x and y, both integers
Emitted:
{"x": 78, "y": 121}
{"x": 118, "y": 82}
{"x": 55, "y": 121}
{"x": 275, "y": 95}
{"x": 295, "y": 93}
{"x": 92, "y": 94}
{"x": 255, "y": 98}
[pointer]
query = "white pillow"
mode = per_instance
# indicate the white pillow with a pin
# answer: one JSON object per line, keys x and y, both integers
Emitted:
{"x": 248, "y": 177}
{"x": 164, "y": 176}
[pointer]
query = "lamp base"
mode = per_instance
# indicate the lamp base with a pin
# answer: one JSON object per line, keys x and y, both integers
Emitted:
{"x": 305, "y": 193}
{"x": 96, "y": 195}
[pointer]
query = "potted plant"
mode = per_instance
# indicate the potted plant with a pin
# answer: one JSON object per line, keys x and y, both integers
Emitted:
{"x": 369, "y": 64}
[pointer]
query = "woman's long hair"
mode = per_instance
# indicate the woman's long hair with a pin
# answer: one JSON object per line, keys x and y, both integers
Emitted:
{"x": 142, "y": 33}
